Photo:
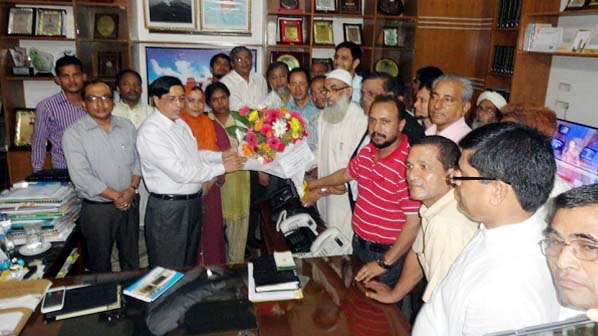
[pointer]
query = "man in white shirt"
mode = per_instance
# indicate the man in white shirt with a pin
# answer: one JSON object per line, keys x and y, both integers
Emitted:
{"x": 571, "y": 248}
{"x": 174, "y": 171}
{"x": 128, "y": 86}
{"x": 449, "y": 102}
{"x": 445, "y": 230}
{"x": 339, "y": 125}
{"x": 500, "y": 281}
{"x": 247, "y": 88}
{"x": 278, "y": 80}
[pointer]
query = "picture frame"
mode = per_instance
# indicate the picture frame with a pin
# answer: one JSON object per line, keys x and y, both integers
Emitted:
{"x": 391, "y": 36}
{"x": 592, "y": 3}
{"x": 163, "y": 15}
{"x": 576, "y": 4}
{"x": 323, "y": 34}
{"x": 353, "y": 32}
{"x": 108, "y": 63}
{"x": 291, "y": 30}
{"x": 105, "y": 26}
{"x": 350, "y": 6}
{"x": 325, "y": 6}
{"x": 20, "y": 21}
{"x": 233, "y": 17}
{"x": 49, "y": 22}
{"x": 24, "y": 120}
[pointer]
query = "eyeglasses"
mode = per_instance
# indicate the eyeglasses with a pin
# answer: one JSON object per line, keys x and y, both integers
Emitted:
{"x": 103, "y": 99}
{"x": 172, "y": 99}
{"x": 243, "y": 59}
{"x": 584, "y": 250}
{"x": 454, "y": 178}
{"x": 488, "y": 110}
{"x": 335, "y": 90}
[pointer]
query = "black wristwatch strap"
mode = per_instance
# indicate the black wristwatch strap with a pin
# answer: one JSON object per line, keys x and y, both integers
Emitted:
{"x": 383, "y": 264}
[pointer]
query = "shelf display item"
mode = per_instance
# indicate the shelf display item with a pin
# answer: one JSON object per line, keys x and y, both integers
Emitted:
{"x": 323, "y": 32}
{"x": 106, "y": 26}
{"x": 388, "y": 66}
{"x": 20, "y": 21}
{"x": 49, "y": 22}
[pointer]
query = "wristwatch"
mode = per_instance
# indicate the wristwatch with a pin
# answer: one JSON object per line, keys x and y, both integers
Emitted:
{"x": 383, "y": 264}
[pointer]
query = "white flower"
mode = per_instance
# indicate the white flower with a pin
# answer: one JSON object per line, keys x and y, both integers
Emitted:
{"x": 260, "y": 160}
{"x": 239, "y": 135}
{"x": 279, "y": 127}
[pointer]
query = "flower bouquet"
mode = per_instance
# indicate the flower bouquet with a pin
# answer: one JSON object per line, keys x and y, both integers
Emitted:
{"x": 271, "y": 139}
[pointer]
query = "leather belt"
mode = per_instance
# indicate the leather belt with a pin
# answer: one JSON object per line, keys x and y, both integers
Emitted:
{"x": 374, "y": 247}
{"x": 95, "y": 202}
{"x": 173, "y": 197}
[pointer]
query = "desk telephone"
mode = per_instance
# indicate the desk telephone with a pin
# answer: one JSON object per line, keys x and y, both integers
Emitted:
{"x": 300, "y": 233}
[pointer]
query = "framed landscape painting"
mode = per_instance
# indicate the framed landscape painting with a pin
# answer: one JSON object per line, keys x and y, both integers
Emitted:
{"x": 233, "y": 16}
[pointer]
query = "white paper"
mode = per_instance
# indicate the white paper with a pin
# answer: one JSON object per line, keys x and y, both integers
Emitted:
{"x": 26, "y": 301}
{"x": 548, "y": 39}
{"x": 9, "y": 322}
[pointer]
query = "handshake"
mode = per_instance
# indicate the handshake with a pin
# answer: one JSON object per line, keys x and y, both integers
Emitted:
{"x": 232, "y": 161}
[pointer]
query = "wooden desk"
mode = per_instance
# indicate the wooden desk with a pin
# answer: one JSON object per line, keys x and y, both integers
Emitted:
{"x": 332, "y": 305}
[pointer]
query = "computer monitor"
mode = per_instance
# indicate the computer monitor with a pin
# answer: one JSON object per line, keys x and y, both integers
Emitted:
{"x": 576, "y": 151}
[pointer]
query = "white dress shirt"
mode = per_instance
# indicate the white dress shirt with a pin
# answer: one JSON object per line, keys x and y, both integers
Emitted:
{"x": 244, "y": 93}
{"x": 170, "y": 161}
{"x": 499, "y": 282}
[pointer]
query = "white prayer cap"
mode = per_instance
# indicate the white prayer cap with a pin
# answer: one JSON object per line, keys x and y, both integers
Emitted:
{"x": 341, "y": 75}
{"x": 495, "y": 98}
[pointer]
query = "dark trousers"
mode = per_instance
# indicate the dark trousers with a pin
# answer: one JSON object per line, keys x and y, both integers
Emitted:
{"x": 369, "y": 251}
{"x": 102, "y": 224}
{"x": 172, "y": 231}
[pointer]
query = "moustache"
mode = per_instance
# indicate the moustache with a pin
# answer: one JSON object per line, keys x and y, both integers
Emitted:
{"x": 374, "y": 134}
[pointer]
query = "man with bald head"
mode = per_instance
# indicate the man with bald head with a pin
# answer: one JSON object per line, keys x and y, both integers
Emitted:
{"x": 339, "y": 125}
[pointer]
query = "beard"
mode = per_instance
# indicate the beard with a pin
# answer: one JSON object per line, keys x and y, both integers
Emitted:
{"x": 385, "y": 143}
{"x": 282, "y": 91}
{"x": 335, "y": 114}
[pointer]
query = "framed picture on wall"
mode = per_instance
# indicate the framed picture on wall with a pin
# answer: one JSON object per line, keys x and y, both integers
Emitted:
{"x": 225, "y": 16}
{"x": 576, "y": 4}
{"x": 323, "y": 32}
{"x": 291, "y": 31}
{"x": 49, "y": 22}
{"x": 20, "y": 21}
{"x": 108, "y": 63}
{"x": 325, "y": 6}
{"x": 170, "y": 15}
{"x": 352, "y": 32}
{"x": 24, "y": 119}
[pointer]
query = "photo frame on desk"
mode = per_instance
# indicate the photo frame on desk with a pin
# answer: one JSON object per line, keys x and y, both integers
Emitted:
{"x": 576, "y": 4}
{"x": 49, "y": 22}
{"x": 291, "y": 30}
{"x": 233, "y": 17}
{"x": 108, "y": 63}
{"x": 323, "y": 32}
{"x": 24, "y": 119}
{"x": 20, "y": 21}
{"x": 161, "y": 15}
{"x": 105, "y": 26}
{"x": 352, "y": 32}
{"x": 325, "y": 6}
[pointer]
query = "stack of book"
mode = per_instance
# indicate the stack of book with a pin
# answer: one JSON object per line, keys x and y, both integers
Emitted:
{"x": 509, "y": 14}
{"x": 269, "y": 283}
{"x": 53, "y": 206}
{"x": 502, "y": 62}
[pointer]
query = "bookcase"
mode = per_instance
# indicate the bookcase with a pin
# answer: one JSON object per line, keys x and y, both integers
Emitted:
{"x": 81, "y": 38}
{"x": 531, "y": 70}
{"x": 373, "y": 29}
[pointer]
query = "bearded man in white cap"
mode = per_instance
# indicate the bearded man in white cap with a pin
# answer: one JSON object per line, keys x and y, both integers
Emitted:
{"x": 488, "y": 109}
{"x": 340, "y": 125}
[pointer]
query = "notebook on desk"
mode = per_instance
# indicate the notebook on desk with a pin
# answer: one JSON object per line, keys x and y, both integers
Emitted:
{"x": 88, "y": 300}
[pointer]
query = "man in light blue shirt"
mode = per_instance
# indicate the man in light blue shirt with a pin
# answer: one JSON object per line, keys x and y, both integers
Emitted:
{"x": 302, "y": 103}
{"x": 347, "y": 56}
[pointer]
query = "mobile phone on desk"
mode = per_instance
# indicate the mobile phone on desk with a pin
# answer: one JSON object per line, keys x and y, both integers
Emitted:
{"x": 53, "y": 300}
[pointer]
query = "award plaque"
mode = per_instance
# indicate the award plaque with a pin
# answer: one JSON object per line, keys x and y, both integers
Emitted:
{"x": 24, "y": 119}
{"x": 108, "y": 63}
{"x": 20, "y": 21}
{"x": 106, "y": 26}
{"x": 291, "y": 31}
{"x": 325, "y": 6}
{"x": 576, "y": 4}
{"x": 593, "y": 3}
{"x": 391, "y": 36}
{"x": 323, "y": 32}
{"x": 352, "y": 32}
{"x": 350, "y": 6}
{"x": 289, "y": 4}
{"x": 390, "y": 7}
{"x": 49, "y": 22}
{"x": 387, "y": 65}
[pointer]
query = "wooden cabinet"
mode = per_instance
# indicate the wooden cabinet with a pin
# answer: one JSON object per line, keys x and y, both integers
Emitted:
{"x": 102, "y": 56}
{"x": 373, "y": 24}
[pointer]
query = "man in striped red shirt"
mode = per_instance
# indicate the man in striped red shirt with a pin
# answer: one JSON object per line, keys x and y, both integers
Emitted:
{"x": 56, "y": 113}
{"x": 385, "y": 219}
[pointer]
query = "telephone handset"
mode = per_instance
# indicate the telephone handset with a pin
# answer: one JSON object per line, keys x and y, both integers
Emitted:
{"x": 329, "y": 243}
{"x": 299, "y": 231}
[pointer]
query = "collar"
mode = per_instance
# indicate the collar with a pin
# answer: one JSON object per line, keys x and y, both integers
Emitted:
{"x": 125, "y": 105}
{"x": 89, "y": 123}
{"x": 238, "y": 78}
{"x": 526, "y": 231}
{"x": 293, "y": 104}
{"x": 404, "y": 146}
{"x": 164, "y": 120}
{"x": 63, "y": 99}
{"x": 457, "y": 125}
{"x": 445, "y": 201}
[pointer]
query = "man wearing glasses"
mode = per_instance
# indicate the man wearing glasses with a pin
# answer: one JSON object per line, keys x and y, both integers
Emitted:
{"x": 174, "y": 171}
{"x": 247, "y": 88}
{"x": 500, "y": 281}
{"x": 571, "y": 249}
{"x": 449, "y": 102}
{"x": 103, "y": 164}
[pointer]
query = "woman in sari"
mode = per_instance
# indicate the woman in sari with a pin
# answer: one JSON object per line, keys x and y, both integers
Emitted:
{"x": 209, "y": 136}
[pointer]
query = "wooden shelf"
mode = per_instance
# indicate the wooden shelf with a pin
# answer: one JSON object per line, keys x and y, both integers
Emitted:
{"x": 289, "y": 46}
{"x": 402, "y": 49}
{"x": 506, "y": 30}
{"x": 36, "y": 38}
{"x": 100, "y": 4}
{"x": 342, "y": 16}
{"x": 565, "y": 53}
{"x": 500, "y": 74}
{"x": 30, "y": 78}
{"x": 91, "y": 40}
{"x": 39, "y": 2}
{"x": 591, "y": 11}
{"x": 399, "y": 18}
